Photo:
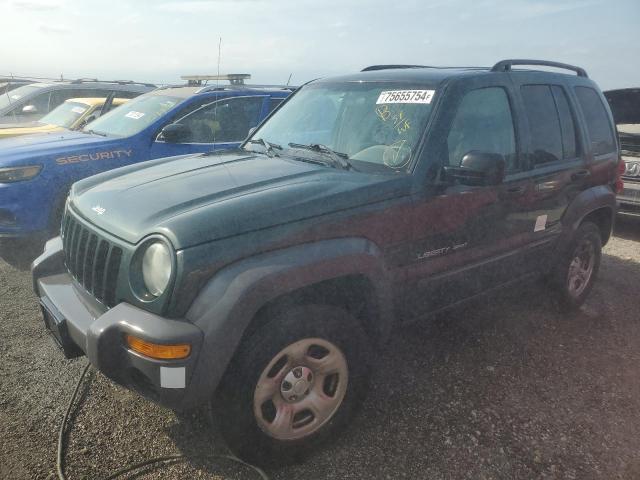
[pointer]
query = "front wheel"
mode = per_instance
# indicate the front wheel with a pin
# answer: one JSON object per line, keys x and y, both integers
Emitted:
{"x": 576, "y": 272}
{"x": 293, "y": 383}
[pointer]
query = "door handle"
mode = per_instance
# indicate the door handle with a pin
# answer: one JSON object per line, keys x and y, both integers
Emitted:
{"x": 515, "y": 191}
{"x": 580, "y": 175}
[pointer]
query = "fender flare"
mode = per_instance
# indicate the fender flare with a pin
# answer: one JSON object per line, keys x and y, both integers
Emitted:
{"x": 584, "y": 204}
{"x": 230, "y": 300}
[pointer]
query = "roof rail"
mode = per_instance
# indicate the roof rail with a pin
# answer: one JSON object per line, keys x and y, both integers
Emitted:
{"x": 505, "y": 65}
{"x": 210, "y": 88}
{"x": 371, "y": 68}
{"x": 118, "y": 82}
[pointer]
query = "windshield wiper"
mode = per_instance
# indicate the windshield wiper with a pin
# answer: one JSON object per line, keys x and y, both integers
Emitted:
{"x": 338, "y": 159}
{"x": 94, "y": 132}
{"x": 270, "y": 147}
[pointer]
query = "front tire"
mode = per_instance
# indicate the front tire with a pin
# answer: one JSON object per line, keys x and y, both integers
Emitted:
{"x": 293, "y": 384}
{"x": 576, "y": 272}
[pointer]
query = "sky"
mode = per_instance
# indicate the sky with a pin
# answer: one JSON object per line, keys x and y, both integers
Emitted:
{"x": 159, "y": 40}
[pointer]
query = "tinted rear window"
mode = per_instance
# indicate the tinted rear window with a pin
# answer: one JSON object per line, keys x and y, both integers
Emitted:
{"x": 598, "y": 126}
{"x": 544, "y": 124}
{"x": 567, "y": 126}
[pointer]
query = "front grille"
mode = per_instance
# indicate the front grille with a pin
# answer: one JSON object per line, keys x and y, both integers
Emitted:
{"x": 92, "y": 260}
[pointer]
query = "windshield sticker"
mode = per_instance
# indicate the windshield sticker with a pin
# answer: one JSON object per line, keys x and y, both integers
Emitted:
{"x": 134, "y": 115}
{"x": 405, "y": 96}
{"x": 397, "y": 155}
{"x": 78, "y": 110}
{"x": 398, "y": 119}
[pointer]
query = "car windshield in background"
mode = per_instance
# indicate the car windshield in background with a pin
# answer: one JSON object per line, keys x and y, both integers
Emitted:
{"x": 66, "y": 114}
{"x": 18, "y": 94}
{"x": 134, "y": 116}
{"x": 375, "y": 123}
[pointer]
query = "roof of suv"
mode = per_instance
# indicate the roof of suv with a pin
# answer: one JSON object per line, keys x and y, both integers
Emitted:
{"x": 184, "y": 91}
{"x": 435, "y": 75}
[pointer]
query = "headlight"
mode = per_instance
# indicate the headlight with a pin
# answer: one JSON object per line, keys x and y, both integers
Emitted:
{"x": 18, "y": 174}
{"x": 156, "y": 268}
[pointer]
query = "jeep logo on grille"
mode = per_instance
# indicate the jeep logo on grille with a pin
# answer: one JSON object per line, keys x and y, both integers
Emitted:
{"x": 99, "y": 210}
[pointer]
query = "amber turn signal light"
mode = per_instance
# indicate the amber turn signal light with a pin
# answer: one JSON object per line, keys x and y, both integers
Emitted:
{"x": 157, "y": 351}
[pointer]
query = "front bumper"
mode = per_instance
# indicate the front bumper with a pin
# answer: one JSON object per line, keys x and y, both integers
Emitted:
{"x": 25, "y": 209}
{"x": 81, "y": 325}
{"x": 629, "y": 199}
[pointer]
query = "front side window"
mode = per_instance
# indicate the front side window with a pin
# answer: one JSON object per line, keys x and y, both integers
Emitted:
{"x": 134, "y": 116}
{"x": 544, "y": 123}
{"x": 65, "y": 115}
{"x": 226, "y": 120}
{"x": 598, "y": 124}
{"x": 376, "y": 125}
{"x": 483, "y": 123}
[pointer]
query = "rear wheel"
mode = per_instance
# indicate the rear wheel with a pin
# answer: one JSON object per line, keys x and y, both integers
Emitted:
{"x": 576, "y": 273}
{"x": 293, "y": 383}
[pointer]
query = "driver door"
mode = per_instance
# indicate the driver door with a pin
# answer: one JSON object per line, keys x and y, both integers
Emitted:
{"x": 467, "y": 238}
{"x": 217, "y": 125}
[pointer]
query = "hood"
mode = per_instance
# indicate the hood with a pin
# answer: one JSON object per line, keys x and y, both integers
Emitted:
{"x": 198, "y": 199}
{"x": 4, "y": 126}
{"x": 25, "y": 149}
{"x": 7, "y": 131}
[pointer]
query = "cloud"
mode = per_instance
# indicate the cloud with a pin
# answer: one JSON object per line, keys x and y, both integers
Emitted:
{"x": 53, "y": 29}
{"x": 196, "y": 6}
{"x": 522, "y": 10}
{"x": 37, "y": 5}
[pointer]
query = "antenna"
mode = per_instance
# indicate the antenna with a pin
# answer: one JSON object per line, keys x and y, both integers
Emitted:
{"x": 215, "y": 108}
{"x": 289, "y": 80}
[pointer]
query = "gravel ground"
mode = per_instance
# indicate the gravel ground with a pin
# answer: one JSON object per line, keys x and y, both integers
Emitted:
{"x": 507, "y": 388}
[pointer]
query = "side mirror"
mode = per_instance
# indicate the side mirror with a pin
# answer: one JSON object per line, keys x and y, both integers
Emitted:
{"x": 478, "y": 168}
{"x": 251, "y": 130}
{"x": 175, "y": 133}
{"x": 29, "y": 109}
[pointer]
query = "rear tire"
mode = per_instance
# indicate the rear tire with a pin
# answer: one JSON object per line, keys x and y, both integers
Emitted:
{"x": 294, "y": 383}
{"x": 575, "y": 274}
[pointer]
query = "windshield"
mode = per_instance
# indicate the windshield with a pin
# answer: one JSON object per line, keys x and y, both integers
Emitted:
{"x": 66, "y": 114}
{"x": 17, "y": 94}
{"x": 375, "y": 123}
{"x": 134, "y": 116}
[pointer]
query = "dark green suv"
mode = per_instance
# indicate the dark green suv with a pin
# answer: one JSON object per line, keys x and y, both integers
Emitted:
{"x": 261, "y": 281}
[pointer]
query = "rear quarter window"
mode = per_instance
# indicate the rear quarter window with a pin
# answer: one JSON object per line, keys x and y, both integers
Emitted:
{"x": 598, "y": 123}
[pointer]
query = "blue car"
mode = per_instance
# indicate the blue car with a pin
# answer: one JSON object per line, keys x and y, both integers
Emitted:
{"x": 36, "y": 171}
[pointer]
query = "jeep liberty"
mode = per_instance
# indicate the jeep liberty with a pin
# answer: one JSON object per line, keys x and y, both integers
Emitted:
{"x": 261, "y": 281}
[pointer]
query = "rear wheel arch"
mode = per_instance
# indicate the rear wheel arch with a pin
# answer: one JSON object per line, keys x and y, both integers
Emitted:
{"x": 603, "y": 218}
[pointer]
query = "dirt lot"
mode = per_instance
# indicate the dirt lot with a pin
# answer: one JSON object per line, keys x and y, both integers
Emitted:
{"x": 506, "y": 389}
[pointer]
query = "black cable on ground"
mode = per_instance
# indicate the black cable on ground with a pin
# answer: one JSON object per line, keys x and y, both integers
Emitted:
{"x": 136, "y": 466}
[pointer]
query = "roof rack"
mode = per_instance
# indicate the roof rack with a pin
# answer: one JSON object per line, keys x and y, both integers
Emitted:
{"x": 505, "y": 65}
{"x": 211, "y": 88}
{"x": 119, "y": 82}
{"x": 234, "y": 78}
{"x": 372, "y": 68}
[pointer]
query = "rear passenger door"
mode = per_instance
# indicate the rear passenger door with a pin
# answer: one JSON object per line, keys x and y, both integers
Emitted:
{"x": 554, "y": 150}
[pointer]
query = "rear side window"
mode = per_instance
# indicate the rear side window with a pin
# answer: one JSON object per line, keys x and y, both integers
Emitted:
{"x": 544, "y": 123}
{"x": 567, "y": 126}
{"x": 483, "y": 123}
{"x": 598, "y": 125}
